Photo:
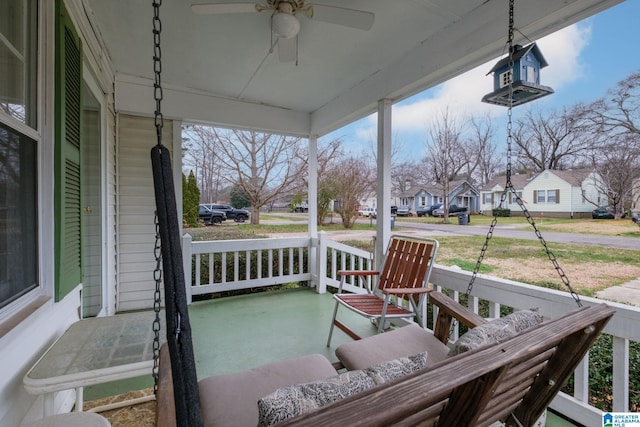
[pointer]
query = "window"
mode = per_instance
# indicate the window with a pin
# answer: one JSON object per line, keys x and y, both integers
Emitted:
{"x": 18, "y": 152}
{"x": 18, "y": 63}
{"x": 423, "y": 200}
{"x": 546, "y": 196}
{"x": 513, "y": 199}
{"x": 18, "y": 213}
{"x": 487, "y": 198}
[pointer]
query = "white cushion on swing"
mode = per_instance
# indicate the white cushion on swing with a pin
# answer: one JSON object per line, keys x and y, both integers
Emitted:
{"x": 496, "y": 330}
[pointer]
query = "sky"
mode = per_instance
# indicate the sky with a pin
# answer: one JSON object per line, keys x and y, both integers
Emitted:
{"x": 585, "y": 60}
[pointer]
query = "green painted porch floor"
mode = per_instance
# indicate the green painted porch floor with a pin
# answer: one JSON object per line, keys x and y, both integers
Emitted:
{"x": 236, "y": 333}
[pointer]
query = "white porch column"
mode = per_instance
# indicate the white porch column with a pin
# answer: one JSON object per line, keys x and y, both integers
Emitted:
{"x": 383, "y": 227}
{"x": 313, "y": 186}
{"x": 312, "y": 202}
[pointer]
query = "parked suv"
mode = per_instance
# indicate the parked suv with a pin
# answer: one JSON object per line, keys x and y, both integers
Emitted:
{"x": 427, "y": 211}
{"x": 453, "y": 210}
{"x": 238, "y": 215}
{"x": 211, "y": 216}
{"x": 370, "y": 212}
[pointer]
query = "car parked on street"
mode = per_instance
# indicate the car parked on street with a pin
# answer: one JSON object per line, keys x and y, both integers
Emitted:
{"x": 428, "y": 211}
{"x": 404, "y": 211}
{"x": 605, "y": 212}
{"x": 238, "y": 215}
{"x": 211, "y": 216}
{"x": 636, "y": 218}
{"x": 368, "y": 212}
{"x": 453, "y": 210}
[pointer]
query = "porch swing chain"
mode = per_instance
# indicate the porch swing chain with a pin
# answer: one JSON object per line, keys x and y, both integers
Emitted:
{"x": 509, "y": 185}
{"x": 159, "y": 124}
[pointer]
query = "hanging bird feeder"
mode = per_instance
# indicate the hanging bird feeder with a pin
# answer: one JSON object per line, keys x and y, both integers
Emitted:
{"x": 522, "y": 79}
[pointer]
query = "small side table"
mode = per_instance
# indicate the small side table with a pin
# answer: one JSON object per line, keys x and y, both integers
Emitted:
{"x": 95, "y": 351}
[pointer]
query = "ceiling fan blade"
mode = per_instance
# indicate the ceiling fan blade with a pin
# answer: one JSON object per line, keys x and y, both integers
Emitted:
{"x": 222, "y": 8}
{"x": 287, "y": 49}
{"x": 342, "y": 16}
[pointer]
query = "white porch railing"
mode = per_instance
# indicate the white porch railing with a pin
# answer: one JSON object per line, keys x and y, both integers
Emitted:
{"x": 240, "y": 264}
{"x": 217, "y": 266}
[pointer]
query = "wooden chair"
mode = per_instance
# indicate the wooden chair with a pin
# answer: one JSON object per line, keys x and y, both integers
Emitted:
{"x": 401, "y": 288}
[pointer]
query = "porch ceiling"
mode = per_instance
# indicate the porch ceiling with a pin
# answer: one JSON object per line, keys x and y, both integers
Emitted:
{"x": 217, "y": 68}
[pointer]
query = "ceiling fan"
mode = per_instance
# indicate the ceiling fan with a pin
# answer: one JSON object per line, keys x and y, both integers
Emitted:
{"x": 284, "y": 18}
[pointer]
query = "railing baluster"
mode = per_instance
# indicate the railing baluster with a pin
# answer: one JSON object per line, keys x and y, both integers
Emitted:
{"x": 620, "y": 374}
{"x": 223, "y": 267}
{"x": 198, "y": 275}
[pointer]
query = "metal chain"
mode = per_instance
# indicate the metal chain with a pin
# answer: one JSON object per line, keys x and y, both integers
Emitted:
{"x": 157, "y": 277}
{"x": 159, "y": 124}
{"x": 157, "y": 69}
{"x": 510, "y": 189}
{"x": 508, "y": 184}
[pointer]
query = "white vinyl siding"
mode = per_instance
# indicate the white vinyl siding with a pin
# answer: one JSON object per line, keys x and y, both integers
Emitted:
{"x": 136, "y": 207}
{"x": 547, "y": 192}
{"x": 110, "y": 214}
{"x": 91, "y": 209}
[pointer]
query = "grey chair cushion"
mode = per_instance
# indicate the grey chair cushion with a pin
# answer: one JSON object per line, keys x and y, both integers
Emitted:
{"x": 401, "y": 342}
{"x": 496, "y": 330}
{"x": 291, "y": 401}
{"x": 231, "y": 399}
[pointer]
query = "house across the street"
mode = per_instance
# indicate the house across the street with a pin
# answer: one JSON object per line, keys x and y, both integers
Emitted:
{"x": 572, "y": 193}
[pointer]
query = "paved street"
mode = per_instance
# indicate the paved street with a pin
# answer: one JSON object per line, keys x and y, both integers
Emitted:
{"x": 526, "y": 232}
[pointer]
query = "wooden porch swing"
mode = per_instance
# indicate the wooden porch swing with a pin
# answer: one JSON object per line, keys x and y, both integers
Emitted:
{"x": 511, "y": 381}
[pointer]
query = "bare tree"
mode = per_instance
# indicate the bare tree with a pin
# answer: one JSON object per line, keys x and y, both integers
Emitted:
{"x": 404, "y": 176}
{"x": 550, "y": 140}
{"x": 446, "y": 156}
{"x": 200, "y": 156}
{"x": 614, "y": 125}
{"x": 351, "y": 179}
{"x": 484, "y": 148}
{"x": 618, "y": 163}
{"x": 618, "y": 112}
{"x": 263, "y": 165}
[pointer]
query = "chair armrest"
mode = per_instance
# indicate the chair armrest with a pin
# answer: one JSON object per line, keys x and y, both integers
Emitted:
{"x": 448, "y": 309}
{"x": 358, "y": 273}
{"x": 401, "y": 291}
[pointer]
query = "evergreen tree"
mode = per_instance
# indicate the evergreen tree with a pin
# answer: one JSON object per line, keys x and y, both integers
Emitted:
{"x": 190, "y": 200}
{"x": 239, "y": 198}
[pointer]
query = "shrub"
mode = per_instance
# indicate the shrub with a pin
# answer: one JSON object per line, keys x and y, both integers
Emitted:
{"x": 501, "y": 212}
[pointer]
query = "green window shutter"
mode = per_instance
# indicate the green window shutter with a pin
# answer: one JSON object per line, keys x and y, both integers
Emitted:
{"x": 67, "y": 197}
{"x": 557, "y": 196}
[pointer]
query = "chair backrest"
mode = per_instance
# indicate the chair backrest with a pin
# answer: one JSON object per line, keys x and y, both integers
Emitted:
{"x": 407, "y": 263}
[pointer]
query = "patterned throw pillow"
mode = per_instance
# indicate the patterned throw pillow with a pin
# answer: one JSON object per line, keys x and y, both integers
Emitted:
{"x": 298, "y": 399}
{"x": 496, "y": 330}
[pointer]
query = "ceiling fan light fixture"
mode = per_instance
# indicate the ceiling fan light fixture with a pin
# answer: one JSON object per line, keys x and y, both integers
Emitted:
{"x": 285, "y": 25}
